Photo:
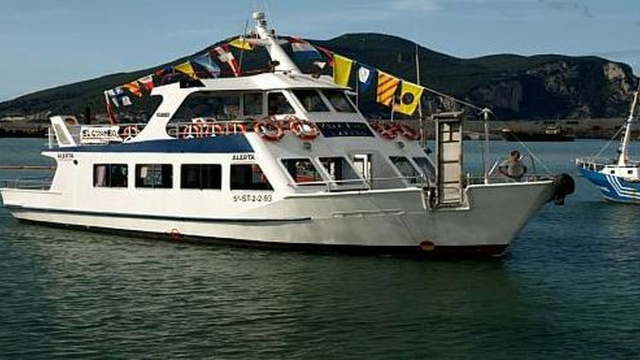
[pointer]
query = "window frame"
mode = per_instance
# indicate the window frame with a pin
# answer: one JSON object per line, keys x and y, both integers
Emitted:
{"x": 163, "y": 166}
{"x": 201, "y": 181}
{"x": 326, "y": 106}
{"x": 412, "y": 180}
{"x": 353, "y": 108}
{"x": 288, "y": 101}
{"x": 357, "y": 182}
{"x": 109, "y": 172}
{"x": 322, "y": 182}
{"x": 262, "y": 174}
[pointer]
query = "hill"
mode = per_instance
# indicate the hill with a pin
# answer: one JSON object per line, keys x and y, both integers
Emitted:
{"x": 515, "y": 87}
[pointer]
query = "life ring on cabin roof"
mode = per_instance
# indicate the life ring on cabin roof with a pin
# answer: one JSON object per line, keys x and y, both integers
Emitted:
{"x": 236, "y": 128}
{"x": 190, "y": 131}
{"x": 408, "y": 132}
{"x": 304, "y": 129}
{"x": 268, "y": 129}
{"x": 205, "y": 128}
{"x": 129, "y": 132}
{"x": 217, "y": 129}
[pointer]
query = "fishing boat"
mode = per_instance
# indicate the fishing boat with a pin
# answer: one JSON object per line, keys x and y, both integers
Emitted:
{"x": 290, "y": 162}
{"x": 617, "y": 178}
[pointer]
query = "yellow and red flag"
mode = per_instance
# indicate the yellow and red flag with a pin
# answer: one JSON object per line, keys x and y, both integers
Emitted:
{"x": 133, "y": 87}
{"x": 387, "y": 86}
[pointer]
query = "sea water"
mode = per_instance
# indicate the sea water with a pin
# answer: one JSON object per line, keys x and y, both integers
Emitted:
{"x": 569, "y": 287}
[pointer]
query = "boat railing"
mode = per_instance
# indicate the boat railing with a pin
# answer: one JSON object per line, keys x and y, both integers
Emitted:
{"x": 502, "y": 179}
{"x": 368, "y": 184}
{"x": 32, "y": 183}
{"x": 203, "y": 127}
{"x": 594, "y": 163}
{"x": 95, "y": 134}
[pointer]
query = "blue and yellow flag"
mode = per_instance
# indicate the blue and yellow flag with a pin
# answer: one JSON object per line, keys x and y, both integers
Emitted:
{"x": 409, "y": 98}
{"x": 341, "y": 70}
{"x": 387, "y": 86}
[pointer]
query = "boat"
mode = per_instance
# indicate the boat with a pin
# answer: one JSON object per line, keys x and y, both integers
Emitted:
{"x": 295, "y": 165}
{"x": 550, "y": 133}
{"x": 617, "y": 177}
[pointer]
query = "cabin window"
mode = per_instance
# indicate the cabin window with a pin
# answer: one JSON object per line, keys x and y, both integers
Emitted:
{"x": 253, "y": 104}
{"x": 362, "y": 163}
{"x": 311, "y": 100}
{"x": 629, "y": 172}
{"x": 339, "y": 101}
{"x": 158, "y": 176}
{"x": 278, "y": 104}
{"x": 209, "y": 104}
{"x": 341, "y": 171}
{"x": 201, "y": 176}
{"x": 425, "y": 166}
{"x": 405, "y": 168}
{"x": 248, "y": 177}
{"x": 302, "y": 171}
{"x": 110, "y": 175}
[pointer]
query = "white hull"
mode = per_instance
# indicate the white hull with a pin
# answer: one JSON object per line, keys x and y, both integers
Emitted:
{"x": 396, "y": 218}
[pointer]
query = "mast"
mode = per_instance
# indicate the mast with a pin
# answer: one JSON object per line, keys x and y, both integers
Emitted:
{"x": 279, "y": 57}
{"x": 624, "y": 147}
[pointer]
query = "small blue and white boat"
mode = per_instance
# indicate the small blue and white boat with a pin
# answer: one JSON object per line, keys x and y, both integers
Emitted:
{"x": 618, "y": 179}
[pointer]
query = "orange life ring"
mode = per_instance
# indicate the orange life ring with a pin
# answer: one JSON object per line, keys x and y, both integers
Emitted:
{"x": 236, "y": 128}
{"x": 304, "y": 129}
{"x": 205, "y": 128}
{"x": 268, "y": 130}
{"x": 217, "y": 129}
{"x": 129, "y": 132}
{"x": 408, "y": 132}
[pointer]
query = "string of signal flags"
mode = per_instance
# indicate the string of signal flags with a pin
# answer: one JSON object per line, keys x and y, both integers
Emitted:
{"x": 206, "y": 65}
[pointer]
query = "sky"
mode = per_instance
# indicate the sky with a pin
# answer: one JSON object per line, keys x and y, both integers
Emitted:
{"x": 47, "y": 43}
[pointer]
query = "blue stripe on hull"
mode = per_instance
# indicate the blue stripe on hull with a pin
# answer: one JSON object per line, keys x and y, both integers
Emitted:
{"x": 613, "y": 188}
{"x": 219, "y": 144}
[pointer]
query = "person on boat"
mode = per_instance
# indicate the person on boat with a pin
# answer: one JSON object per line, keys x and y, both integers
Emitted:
{"x": 513, "y": 167}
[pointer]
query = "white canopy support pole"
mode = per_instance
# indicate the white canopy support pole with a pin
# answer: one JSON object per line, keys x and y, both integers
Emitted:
{"x": 485, "y": 152}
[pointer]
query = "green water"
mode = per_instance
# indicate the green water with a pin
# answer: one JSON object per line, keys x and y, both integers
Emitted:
{"x": 569, "y": 288}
